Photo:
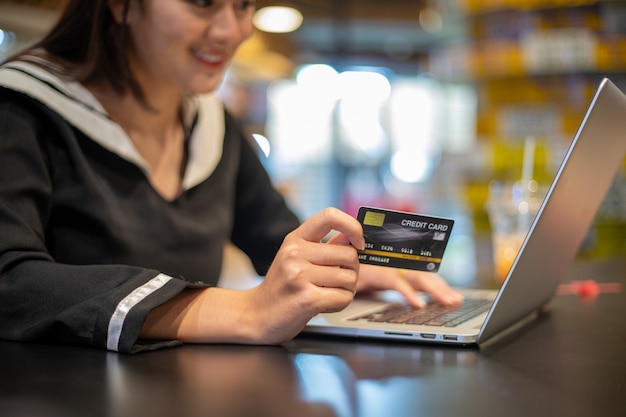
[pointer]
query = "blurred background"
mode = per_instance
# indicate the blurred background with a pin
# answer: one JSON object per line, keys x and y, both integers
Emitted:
{"x": 415, "y": 105}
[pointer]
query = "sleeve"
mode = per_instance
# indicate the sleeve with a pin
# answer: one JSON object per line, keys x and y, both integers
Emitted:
{"x": 262, "y": 216}
{"x": 103, "y": 306}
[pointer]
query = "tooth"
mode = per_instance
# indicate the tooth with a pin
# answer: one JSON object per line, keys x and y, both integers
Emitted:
{"x": 208, "y": 57}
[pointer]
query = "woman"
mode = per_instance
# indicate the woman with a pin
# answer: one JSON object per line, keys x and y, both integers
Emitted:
{"x": 121, "y": 178}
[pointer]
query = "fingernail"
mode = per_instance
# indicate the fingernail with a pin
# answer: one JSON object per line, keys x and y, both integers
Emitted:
{"x": 454, "y": 299}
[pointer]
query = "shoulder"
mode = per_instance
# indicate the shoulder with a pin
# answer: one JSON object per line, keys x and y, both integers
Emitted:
{"x": 18, "y": 107}
{"x": 36, "y": 89}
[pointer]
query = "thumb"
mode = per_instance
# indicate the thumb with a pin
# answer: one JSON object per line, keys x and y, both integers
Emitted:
{"x": 319, "y": 225}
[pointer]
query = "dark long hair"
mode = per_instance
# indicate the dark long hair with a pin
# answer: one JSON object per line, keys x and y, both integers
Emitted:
{"x": 88, "y": 45}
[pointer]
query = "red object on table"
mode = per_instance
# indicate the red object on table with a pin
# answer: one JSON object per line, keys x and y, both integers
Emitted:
{"x": 588, "y": 288}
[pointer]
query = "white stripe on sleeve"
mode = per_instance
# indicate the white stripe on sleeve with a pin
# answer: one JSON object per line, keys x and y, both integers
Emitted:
{"x": 116, "y": 323}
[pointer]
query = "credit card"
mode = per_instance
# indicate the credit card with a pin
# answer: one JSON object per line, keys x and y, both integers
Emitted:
{"x": 403, "y": 240}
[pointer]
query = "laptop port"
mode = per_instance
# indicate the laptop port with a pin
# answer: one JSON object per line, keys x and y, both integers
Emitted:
{"x": 428, "y": 335}
{"x": 398, "y": 334}
{"x": 450, "y": 337}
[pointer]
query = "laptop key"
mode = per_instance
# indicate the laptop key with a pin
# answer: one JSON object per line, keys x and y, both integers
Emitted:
{"x": 432, "y": 315}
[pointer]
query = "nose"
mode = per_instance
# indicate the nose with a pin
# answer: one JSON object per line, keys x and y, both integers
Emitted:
{"x": 226, "y": 26}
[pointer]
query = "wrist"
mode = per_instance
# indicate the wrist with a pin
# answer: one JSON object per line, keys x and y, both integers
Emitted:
{"x": 211, "y": 315}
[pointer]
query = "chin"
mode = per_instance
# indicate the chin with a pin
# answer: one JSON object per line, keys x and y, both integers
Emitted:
{"x": 206, "y": 84}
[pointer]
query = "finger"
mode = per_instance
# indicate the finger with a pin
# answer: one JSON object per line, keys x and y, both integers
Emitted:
{"x": 318, "y": 226}
{"x": 435, "y": 286}
{"x": 332, "y": 255}
{"x": 399, "y": 283}
{"x": 332, "y": 277}
{"x": 296, "y": 250}
{"x": 339, "y": 239}
{"x": 374, "y": 278}
{"x": 331, "y": 299}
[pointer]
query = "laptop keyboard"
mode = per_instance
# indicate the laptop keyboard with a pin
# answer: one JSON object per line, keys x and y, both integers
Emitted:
{"x": 432, "y": 315}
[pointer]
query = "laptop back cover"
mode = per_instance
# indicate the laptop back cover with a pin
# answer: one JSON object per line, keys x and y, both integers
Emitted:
{"x": 579, "y": 187}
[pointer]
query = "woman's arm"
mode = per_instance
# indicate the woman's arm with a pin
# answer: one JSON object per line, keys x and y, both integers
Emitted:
{"x": 307, "y": 277}
{"x": 42, "y": 300}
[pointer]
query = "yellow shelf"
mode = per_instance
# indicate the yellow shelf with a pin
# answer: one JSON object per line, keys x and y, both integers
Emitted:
{"x": 536, "y": 65}
{"x": 481, "y": 6}
{"x": 507, "y": 58}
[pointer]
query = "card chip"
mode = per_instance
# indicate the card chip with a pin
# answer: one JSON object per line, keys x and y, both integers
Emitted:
{"x": 373, "y": 218}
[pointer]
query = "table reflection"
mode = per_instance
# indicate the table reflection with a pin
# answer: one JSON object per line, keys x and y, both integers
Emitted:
{"x": 568, "y": 360}
{"x": 304, "y": 378}
{"x": 373, "y": 379}
{"x": 225, "y": 380}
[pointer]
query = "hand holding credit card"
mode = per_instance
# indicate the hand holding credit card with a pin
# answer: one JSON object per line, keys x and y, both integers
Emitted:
{"x": 403, "y": 240}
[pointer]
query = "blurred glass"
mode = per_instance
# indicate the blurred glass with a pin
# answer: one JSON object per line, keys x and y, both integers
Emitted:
{"x": 511, "y": 207}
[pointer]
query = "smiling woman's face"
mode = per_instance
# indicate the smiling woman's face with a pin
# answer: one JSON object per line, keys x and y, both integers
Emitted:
{"x": 186, "y": 44}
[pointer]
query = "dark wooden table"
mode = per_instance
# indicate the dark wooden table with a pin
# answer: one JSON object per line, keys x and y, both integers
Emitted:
{"x": 570, "y": 361}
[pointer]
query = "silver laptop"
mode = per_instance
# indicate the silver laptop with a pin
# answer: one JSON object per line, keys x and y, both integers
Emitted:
{"x": 550, "y": 246}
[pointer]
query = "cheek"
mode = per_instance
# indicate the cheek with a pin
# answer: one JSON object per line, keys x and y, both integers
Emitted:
{"x": 170, "y": 26}
{"x": 158, "y": 36}
{"x": 246, "y": 29}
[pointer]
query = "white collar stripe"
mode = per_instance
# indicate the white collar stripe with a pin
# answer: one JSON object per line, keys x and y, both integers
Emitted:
{"x": 81, "y": 109}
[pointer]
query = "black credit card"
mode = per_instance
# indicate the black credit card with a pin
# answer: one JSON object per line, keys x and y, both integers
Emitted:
{"x": 403, "y": 240}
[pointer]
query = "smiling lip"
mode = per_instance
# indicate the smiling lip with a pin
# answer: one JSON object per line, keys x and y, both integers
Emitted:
{"x": 213, "y": 61}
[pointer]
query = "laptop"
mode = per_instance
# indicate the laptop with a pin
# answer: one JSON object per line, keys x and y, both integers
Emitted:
{"x": 550, "y": 246}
